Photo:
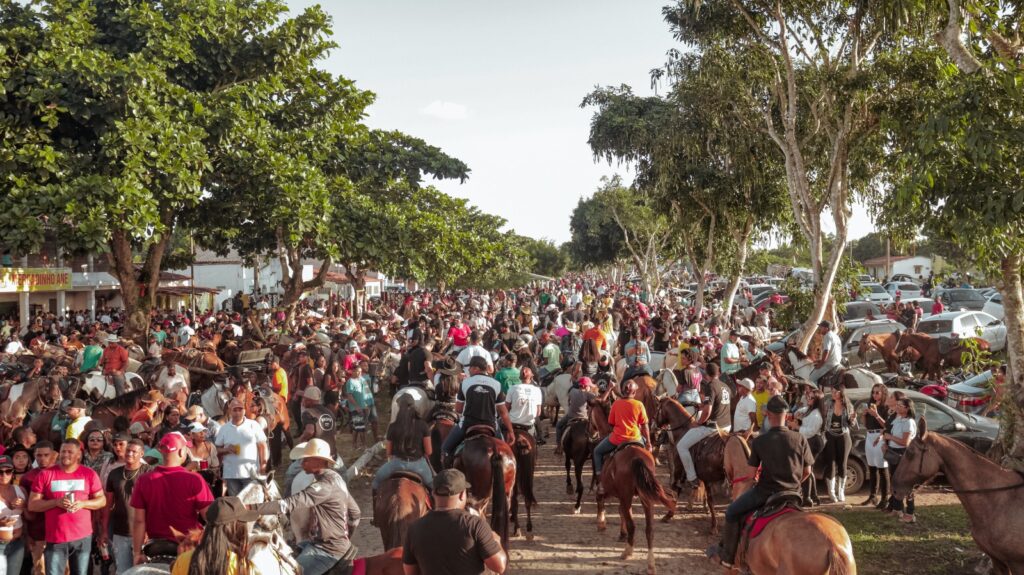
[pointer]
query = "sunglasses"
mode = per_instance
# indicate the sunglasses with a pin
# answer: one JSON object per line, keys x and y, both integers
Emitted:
{"x": 6, "y": 472}
{"x": 95, "y": 439}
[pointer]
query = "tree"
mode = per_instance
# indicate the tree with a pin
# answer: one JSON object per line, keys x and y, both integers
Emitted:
{"x": 546, "y": 258}
{"x": 596, "y": 240}
{"x": 811, "y": 104}
{"x": 956, "y": 154}
{"x": 123, "y": 109}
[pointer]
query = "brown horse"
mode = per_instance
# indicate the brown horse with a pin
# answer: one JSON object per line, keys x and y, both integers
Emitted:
{"x": 578, "y": 443}
{"x": 121, "y": 406}
{"x": 708, "y": 455}
{"x": 933, "y": 356}
{"x": 525, "y": 449}
{"x": 741, "y": 475}
{"x": 202, "y": 364}
{"x": 798, "y": 543}
{"x": 401, "y": 500}
{"x": 490, "y": 467}
{"x": 886, "y": 344}
{"x": 629, "y": 472}
{"x": 990, "y": 494}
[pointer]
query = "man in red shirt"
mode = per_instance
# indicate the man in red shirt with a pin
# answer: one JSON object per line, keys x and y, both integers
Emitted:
{"x": 36, "y": 524}
{"x": 113, "y": 362}
{"x": 937, "y": 307}
{"x": 67, "y": 493}
{"x": 458, "y": 334}
{"x": 168, "y": 496}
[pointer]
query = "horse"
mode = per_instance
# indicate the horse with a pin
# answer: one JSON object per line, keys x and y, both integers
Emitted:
{"x": 795, "y": 362}
{"x": 525, "y": 449}
{"x": 740, "y": 474}
{"x": 556, "y": 394}
{"x": 121, "y": 406}
{"x": 799, "y": 543}
{"x": 885, "y": 344}
{"x": 490, "y": 467}
{"x": 203, "y": 364}
{"x": 708, "y": 455}
{"x": 629, "y": 472}
{"x": 990, "y": 494}
{"x": 933, "y": 355}
{"x": 401, "y": 500}
{"x": 578, "y": 442}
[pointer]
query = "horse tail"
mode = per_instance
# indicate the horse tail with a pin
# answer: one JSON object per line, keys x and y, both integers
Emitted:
{"x": 499, "y": 500}
{"x": 837, "y": 562}
{"x": 526, "y": 459}
{"x": 647, "y": 485}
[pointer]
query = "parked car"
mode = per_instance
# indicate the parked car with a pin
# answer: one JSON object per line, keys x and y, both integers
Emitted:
{"x": 966, "y": 324}
{"x": 866, "y": 279}
{"x": 765, "y": 301}
{"x": 851, "y": 342}
{"x": 903, "y": 278}
{"x": 858, "y": 310}
{"x": 971, "y": 395}
{"x": 755, "y": 290}
{"x": 779, "y": 345}
{"x": 994, "y": 306}
{"x": 924, "y": 302}
{"x": 973, "y": 430}
{"x": 903, "y": 290}
{"x": 987, "y": 292}
{"x": 874, "y": 292}
{"x": 962, "y": 299}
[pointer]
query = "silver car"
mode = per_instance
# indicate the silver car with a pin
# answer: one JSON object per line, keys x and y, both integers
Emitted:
{"x": 851, "y": 343}
{"x": 966, "y": 324}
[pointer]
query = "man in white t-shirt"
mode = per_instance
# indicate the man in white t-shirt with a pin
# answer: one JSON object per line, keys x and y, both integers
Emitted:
{"x": 185, "y": 333}
{"x": 745, "y": 405}
{"x": 524, "y": 401}
{"x": 242, "y": 447}
{"x": 474, "y": 349}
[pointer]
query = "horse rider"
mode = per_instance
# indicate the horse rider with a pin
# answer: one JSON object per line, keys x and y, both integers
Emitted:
{"x": 407, "y": 445}
{"x": 580, "y": 396}
{"x": 831, "y": 352}
{"x": 415, "y": 372}
{"x": 731, "y": 356}
{"x": 714, "y": 416}
{"x": 638, "y": 355}
{"x": 628, "y": 419}
{"x": 479, "y": 402}
{"x": 114, "y": 361}
{"x": 333, "y": 511}
{"x": 785, "y": 459}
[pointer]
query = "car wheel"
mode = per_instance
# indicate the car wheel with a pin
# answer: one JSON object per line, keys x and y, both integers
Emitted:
{"x": 854, "y": 475}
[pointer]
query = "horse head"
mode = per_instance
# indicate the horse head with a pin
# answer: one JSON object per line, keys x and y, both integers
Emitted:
{"x": 262, "y": 490}
{"x": 920, "y": 462}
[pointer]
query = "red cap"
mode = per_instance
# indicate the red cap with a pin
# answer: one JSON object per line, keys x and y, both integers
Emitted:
{"x": 174, "y": 441}
{"x": 584, "y": 382}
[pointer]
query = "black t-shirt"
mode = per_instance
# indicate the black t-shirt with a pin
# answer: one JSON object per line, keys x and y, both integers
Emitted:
{"x": 872, "y": 424}
{"x": 414, "y": 449}
{"x": 717, "y": 395}
{"x": 324, "y": 424}
{"x": 414, "y": 361}
{"x": 466, "y": 543}
{"x": 121, "y": 487}
{"x": 782, "y": 455}
{"x": 481, "y": 395}
{"x": 660, "y": 342}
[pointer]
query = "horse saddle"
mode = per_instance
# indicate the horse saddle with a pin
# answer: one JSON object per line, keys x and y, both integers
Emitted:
{"x": 831, "y": 378}
{"x": 160, "y": 550}
{"x": 711, "y": 447}
{"x": 624, "y": 445}
{"x": 777, "y": 505}
{"x": 480, "y": 429}
{"x": 444, "y": 411}
{"x": 524, "y": 428}
{"x": 406, "y": 475}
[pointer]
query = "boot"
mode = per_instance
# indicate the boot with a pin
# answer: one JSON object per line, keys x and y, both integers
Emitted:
{"x": 373, "y": 498}
{"x": 841, "y": 488}
{"x": 872, "y": 486}
{"x": 831, "y": 484}
{"x": 884, "y": 486}
{"x": 730, "y": 541}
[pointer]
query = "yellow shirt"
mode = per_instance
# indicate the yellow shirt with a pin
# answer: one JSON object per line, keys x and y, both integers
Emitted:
{"x": 281, "y": 379}
{"x": 761, "y": 397}
{"x": 76, "y": 427}
{"x": 181, "y": 564}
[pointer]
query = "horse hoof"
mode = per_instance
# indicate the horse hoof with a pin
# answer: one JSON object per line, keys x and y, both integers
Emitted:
{"x": 622, "y": 537}
{"x": 666, "y": 518}
{"x": 650, "y": 570}
{"x": 529, "y": 535}
{"x": 601, "y": 526}
{"x": 576, "y": 509}
{"x": 627, "y": 553}
{"x": 517, "y": 533}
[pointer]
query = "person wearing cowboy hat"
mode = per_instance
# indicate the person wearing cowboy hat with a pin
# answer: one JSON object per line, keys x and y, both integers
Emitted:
{"x": 334, "y": 513}
{"x": 113, "y": 362}
{"x": 831, "y": 352}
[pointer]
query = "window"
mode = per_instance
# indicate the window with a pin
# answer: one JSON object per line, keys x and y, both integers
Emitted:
{"x": 918, "y": 269}
{"x": 937, "y": 326}
{"x": 934, "y": 416}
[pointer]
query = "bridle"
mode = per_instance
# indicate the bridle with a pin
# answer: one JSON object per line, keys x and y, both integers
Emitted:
{"x": 920, "y": 473}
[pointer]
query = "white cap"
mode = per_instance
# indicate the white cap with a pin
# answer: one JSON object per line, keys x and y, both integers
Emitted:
{"x": 745, "y": 382}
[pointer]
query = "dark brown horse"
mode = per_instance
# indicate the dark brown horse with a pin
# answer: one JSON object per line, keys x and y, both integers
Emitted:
{"x": 629, "y": 472}
{"x": 708, "y": 455}
{"x": 578, "y": 443}
{"x": 525, "y": 449}
{"x": 933, "y": 355}
{"x": 490, "y": 467}
{"x": 401, "y": 500}
{"x": 122, "y": 406}
{"x": 885, "y": 344}
{"x": 990, "y": 494}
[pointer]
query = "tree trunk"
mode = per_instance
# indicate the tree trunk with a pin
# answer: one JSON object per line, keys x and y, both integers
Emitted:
{"x": 743, "y": 249}
{"x": 1011, "y": 432}
{"x": 122, "y": 262}
{"x": 823, "y": 292}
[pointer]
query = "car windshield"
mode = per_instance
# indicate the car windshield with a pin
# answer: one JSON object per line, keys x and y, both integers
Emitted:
{"x": 965, "y": 295}
{"x": 935, "y": 326}
{"x": 859, "y": 310}
{"x": 877, "y": 288}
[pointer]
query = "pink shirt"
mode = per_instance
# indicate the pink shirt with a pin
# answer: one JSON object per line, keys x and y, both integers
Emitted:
{"x": 54, "y": 483}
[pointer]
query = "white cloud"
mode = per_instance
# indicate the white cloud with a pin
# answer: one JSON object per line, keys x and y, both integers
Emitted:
{"x": 446, "y": 110}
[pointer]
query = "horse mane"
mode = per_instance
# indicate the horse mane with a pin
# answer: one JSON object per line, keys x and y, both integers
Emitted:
{"x": 799, "y": 354}
{"x": 126, "y": 401}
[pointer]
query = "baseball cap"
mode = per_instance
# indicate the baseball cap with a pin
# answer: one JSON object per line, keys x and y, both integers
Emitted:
{"x": 174, "y": 441}
{"x": 312, "y": 393}
{"x": 745, "y": 382}
{"x": 6, "y": 462}
{"x": 777, "y": 405}
{"x": 137, "y": 428}
{"x": 584, "y": 382}
{"x": 478, "y": 362}
{"x": 196, "y": 427}
{"x": 76, "y": 404}
{"x": 450, "y": 482}
{"x": 227, "y": 510}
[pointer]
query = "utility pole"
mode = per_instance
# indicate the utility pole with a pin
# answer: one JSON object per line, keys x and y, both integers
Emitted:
{"x": 192, "y": 280}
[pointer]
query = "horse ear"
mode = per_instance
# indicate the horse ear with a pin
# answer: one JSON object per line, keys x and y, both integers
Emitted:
{"x": 922, "y": 428}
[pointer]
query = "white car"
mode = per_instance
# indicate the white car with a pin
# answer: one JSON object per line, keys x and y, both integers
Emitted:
{"x": 755, "y": 290}
{"x": 903, "y": 290}
{"x": 994, "y": 306}
{"x": 874, "y": 292}
{"x": 966, "y": 324}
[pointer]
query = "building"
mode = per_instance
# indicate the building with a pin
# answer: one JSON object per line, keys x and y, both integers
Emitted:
{"x": 913, "y": 266}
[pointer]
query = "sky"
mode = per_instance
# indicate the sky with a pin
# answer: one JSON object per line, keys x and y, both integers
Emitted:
{"x": 499, "y": 86}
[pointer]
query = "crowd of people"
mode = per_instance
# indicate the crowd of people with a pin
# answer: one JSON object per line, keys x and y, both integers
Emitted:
{"x": 110, "y": 493}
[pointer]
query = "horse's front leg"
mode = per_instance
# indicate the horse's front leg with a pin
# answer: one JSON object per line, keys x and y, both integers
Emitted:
{"x": 515, "y": 510}
{"x": 627, "y": 530}
{"x": 709, "y": 496}
{"x": 568, "y": 478}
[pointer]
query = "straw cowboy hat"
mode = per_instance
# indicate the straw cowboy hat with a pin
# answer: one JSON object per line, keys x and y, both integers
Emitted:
{"x": 314, "y": 448}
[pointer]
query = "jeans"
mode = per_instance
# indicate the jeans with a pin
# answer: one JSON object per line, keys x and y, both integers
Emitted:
{"x": 455, "y": 437}
{"x": 235, "y": 486}
{"x": 117, "y": 378}
{"x": 692, "y": 437}
{"x": 12, "y": 556}
{"x": 121, "y": 551}
{"x": 314, "y": 560}
{"x": 560, "y": 429}
{"x": 419, "y": 467}
{"x": 836, "y": 454}
{"x": 73, "y": 554}
{"x": 601, "y": 451}
{"x": 749, "y": 501}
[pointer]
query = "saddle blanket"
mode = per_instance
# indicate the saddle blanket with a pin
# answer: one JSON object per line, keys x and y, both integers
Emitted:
{"x": 755, "y": 524}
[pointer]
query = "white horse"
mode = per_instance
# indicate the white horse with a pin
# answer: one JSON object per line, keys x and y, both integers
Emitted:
{"x": 421, "y": 401}
{"x": 556, "y": 394}
{"x": 802, "y": 368}
{"x": 268, "y": 551}
{"x": 95, "y": 381}
{"x": 656, "y": 364}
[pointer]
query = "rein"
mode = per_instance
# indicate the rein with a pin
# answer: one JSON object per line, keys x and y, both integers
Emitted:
{"x": 920, "y": 471}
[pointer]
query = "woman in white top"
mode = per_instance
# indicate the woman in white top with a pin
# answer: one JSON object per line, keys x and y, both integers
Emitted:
{"x": 902, "y": 431}
{"x": 808, "y": 420}
{"x": 12, "y": 504}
